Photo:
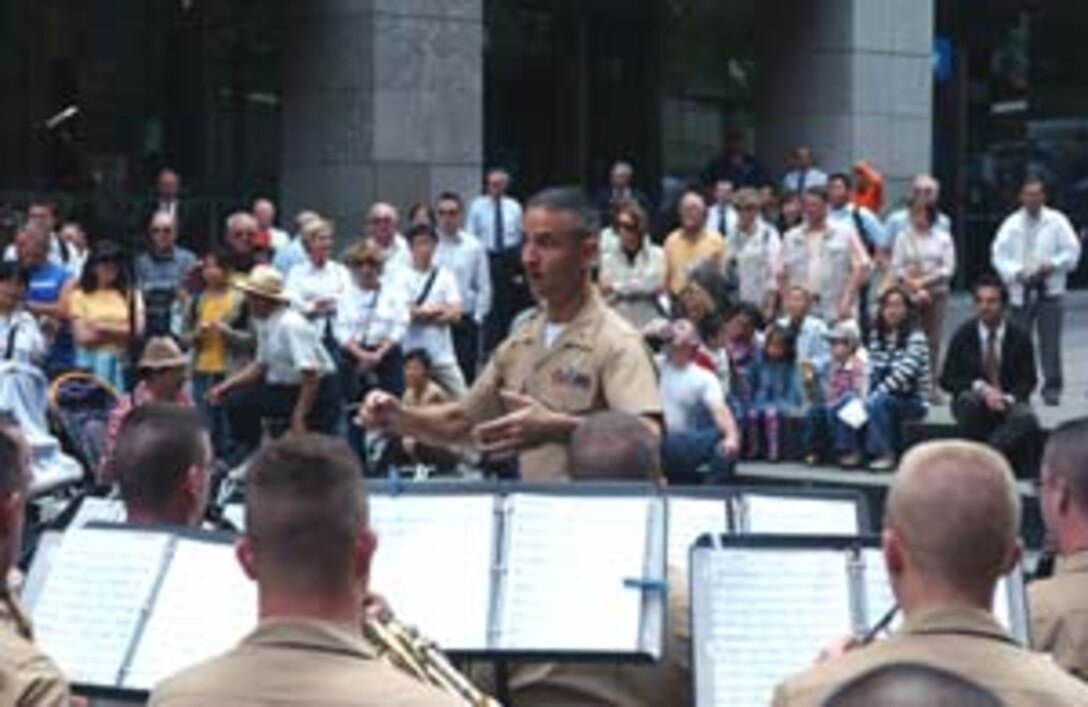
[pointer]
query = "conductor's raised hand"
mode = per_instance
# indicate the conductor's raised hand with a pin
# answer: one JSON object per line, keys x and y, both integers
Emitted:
{"x": 526, "y": 424}
{"x": 379, "y": 411}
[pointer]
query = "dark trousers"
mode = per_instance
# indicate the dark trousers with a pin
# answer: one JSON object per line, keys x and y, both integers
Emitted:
{"x": 823, "y": 425}
{"x": 1014, "y": 431}
{"x": 510, "y": 296}
{"x": 887, "y": 413}
{"x": 388, "y": 376}
{"x": 1043, "y": 317}
{"x": 247, "y": 408}
{"x": 694, "y": 457}
{"x": 466, "y": 344}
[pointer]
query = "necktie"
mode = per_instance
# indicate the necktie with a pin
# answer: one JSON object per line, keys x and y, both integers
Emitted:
{"x": 801, "y": 181}
{"x": 991, "y": 365}
{"x": 721, "y": 220}
{"x": 497, "y": 229}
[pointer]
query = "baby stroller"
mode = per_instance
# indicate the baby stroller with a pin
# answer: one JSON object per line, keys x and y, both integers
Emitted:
{"x": 24, "y": 393}
{"x": 80, "y": 406}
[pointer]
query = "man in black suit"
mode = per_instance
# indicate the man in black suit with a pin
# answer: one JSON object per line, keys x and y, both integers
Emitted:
{"x": 620, "y": 189}
{"x": 168, "y": 198}
{"x": 990, "y": 372}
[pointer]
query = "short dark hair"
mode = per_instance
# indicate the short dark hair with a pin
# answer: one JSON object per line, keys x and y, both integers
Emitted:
{"x": 305, "y": 508}
{"x": 1066, "y": 456}
{"x": 1034, "y": 181}
{"x": 157, "y": 445}
{"x": 846, "y": 179}
{"x": 420, "y": 229}
{"x": 222, "y": 257}
{"x": 419, "y": 355}
{"x": 911, "y": 685}
{"x": 421, "y": 207}
{"x": 614, "y": 446}
{"x": 567, "y": 199}
{"x": 987, "y": 280}
{"x": 817, "y": 191}
{"x": 11, "y": 271}
{"x": 44, "y": 201}
{"x": 451, "y": 196}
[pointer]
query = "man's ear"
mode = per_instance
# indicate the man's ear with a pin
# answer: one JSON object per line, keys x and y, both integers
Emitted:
{"x": 1013, "y": 557}
{"x": 894, "y": 553}
{"x": 1065, "y": 497}
{"x": 243, "y": 550}
{"x": 366, "y": 543}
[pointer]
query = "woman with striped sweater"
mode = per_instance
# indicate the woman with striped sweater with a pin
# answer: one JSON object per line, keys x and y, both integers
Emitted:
{"x": 898, "y": 376}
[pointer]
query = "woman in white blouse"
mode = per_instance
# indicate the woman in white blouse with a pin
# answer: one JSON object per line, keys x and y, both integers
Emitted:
{"x": 754, "y": 250}
{"x": 633, "y": 269}
{"x": 317, "y": 284}
{"x": 923, "y": 263}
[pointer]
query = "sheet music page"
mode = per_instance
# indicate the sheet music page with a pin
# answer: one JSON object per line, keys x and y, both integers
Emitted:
{"x": 92, "y": 601}
{"x": 566, "y": 562}
{"x": 204, "y": 607}
{"x": 689, "y": 518}
{"x": 761, "y": 615}
{"x": 434, "y": 564}
{"x": 787, "y": 515}
{"x": 879, "y": 596}
{"x": 98, "y": 510}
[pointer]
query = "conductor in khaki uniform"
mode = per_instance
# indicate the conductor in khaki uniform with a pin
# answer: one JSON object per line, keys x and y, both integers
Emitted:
{"x": 614, "y": 447}
{"x": 1059, "y": 606}
{"x": 574, "y": 358}
{"x": 950, "y": 533}
{"x": 28, "y": 678}
{"x": 309, "y": 549}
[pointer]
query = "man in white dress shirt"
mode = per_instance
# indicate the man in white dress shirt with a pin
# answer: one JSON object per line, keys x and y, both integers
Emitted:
{"x": 435, "y": 305}
{"x": 461, "y": 253}
{"x": 318, "y": 284}
{"x": 1034, "y": 251}
{"x": 803, "y": 173}
{"x": 382, "y": 225}
{"x": 722, "y": 215}
{"x": 495, "y": 219}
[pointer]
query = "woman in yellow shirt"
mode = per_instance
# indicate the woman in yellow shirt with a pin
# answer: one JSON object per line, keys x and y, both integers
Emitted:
{"x": 99, "y": 310}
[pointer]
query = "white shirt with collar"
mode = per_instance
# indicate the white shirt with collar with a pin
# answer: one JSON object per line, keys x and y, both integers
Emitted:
{"x": 714, "y": 218}
{"x": 813, "y": 177}
{"x": 308, "y": 283}
{"x": 20, "y": 330}
{"x": 60, "y": 253}
{"x": 481, "y": 222}
{"x": 370, "y": 317}
{"x": 464, "y": 256}
{"x": 1025, "y": 243}
{"x": 398, "y": 257}
{"x": 435, "y": 339}
{"x": 288, "y": 345}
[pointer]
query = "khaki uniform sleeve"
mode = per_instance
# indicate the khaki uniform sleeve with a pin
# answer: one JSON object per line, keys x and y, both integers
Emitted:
{"x": 37, "y": 682}
{"x": 630, "y": 380}
{"x": 482, "y": 401}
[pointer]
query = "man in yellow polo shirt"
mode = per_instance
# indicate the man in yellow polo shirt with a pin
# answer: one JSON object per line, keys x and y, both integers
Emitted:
{"x": 691, "y": 244}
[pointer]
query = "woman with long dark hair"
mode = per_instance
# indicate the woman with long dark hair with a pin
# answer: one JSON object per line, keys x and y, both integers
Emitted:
{"x": 99, "y": 310}
{"x": 898, "y": 376}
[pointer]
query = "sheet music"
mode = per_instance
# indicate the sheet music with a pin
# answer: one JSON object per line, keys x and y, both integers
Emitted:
{"x": 788, "y": 515}
{"x": 761, "y": 615}
{"x": 98, "y": 510}
{"x": 434, "y": 564}
{"x": 690, "y": 517}
{"x": 879, "y": 596}
{"x": 204, "y": 606}
{"x": 567, "y": 559}
{"x": 93, "y": 600}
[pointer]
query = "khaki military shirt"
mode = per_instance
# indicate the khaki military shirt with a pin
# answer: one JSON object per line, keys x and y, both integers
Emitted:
{"x": 599, "y": 362}
{"x": 298, "y": 662}
{"x": 964, "y": 641}
{"x": 629, "y": 684}
{"x": 28, "y": 678}
{"x": 1059, "y": 614}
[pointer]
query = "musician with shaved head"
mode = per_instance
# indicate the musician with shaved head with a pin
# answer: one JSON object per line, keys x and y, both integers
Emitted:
{"x": 950, "y": 532}
{"x": 1058, "y": 606}
{"x": 308, "y": 545}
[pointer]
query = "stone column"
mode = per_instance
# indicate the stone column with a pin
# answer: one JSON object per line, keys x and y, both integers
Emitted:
{"x": 851, "y": 78}
{"x": 381, "y": 99}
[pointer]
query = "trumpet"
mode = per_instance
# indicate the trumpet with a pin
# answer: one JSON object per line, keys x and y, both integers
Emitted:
{"x": 406, "y": 649}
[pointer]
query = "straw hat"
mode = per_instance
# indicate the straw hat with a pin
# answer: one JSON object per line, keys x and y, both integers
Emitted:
{"x": 263, "y": 281}
{"x": 162, "y": 352}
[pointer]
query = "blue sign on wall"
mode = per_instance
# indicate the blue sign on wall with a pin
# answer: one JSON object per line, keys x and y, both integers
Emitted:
{"x": 942, "y": 59}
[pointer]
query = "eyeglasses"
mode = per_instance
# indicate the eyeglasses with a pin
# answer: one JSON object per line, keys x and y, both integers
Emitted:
{"x": 627, "y": 226}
